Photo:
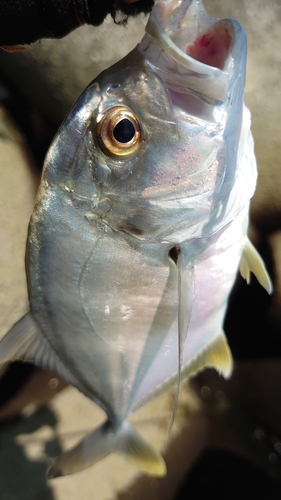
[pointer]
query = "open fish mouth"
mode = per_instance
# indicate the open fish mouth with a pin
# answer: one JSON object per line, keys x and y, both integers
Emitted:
{"x": 189, "y": 34}
{"x": 192, "y": 51}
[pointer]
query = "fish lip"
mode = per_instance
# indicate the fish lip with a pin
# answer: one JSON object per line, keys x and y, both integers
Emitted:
{"x": 180, "y": 71}
{"x": 158, "y": 28}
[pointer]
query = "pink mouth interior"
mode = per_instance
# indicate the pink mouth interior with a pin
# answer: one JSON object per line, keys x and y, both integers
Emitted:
{"x": 213, "y": 47}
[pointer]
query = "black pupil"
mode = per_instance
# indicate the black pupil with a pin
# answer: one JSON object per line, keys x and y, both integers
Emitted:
{"x": 124, "y": 131}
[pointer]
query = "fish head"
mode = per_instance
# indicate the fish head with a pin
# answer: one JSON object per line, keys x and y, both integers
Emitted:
{"x": 150, "y": 149}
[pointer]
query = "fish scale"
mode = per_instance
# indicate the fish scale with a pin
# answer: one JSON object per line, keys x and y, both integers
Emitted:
{"x": 134, "y": 244}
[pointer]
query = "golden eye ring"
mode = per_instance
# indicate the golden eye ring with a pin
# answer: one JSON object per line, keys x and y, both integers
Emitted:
{"x": 119, "y": 132}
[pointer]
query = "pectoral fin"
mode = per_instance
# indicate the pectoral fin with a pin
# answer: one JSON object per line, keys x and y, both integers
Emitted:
{"x": 251, "y": 261}
{"x": 123, "y": 439}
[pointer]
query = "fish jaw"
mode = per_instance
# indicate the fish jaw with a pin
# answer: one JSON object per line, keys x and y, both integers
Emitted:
{"x": 193, "y": 51}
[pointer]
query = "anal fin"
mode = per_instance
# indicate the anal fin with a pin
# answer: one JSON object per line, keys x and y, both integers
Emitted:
{"x": 251, "y": 261}
{"x": 216, "y": 355}
{"x": 123, "y": 439}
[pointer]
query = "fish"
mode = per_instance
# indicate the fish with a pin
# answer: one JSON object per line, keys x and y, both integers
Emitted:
{"x": 140, "y": 226}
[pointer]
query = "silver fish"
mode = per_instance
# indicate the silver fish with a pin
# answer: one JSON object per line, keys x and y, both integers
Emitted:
{"x": 140, "y": 226}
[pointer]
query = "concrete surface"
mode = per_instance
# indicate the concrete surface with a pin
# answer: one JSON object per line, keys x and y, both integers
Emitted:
{"x": 18, "y": 187}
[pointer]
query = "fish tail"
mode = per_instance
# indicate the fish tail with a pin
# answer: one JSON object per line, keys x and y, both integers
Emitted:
{"x": 123, "y": 439}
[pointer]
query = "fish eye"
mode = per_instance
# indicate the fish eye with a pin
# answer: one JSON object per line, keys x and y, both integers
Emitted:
{"x": 119, "y": 132}
{"x": 124, "y": 131}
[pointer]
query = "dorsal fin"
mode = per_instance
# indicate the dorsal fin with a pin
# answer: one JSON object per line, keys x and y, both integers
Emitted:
{"x": 25, "y": 342}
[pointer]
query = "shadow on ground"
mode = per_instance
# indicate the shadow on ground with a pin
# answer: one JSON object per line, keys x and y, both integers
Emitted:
{"x": 24, "y": 459}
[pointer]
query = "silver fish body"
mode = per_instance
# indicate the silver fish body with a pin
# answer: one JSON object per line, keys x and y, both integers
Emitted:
{"x": 140, "y": 225}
